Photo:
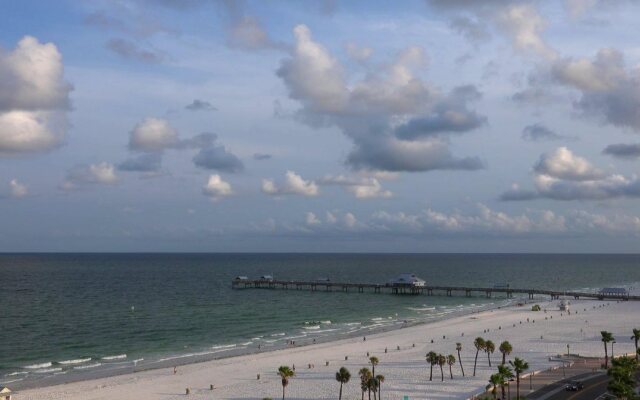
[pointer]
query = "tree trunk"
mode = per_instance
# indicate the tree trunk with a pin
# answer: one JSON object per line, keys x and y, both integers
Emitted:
{"x": 489, "y": 358}
{"x": 475, "y": 362}
{"x": 450, "y": 371}
{"x": 282, "y": 392}
{"x": 460, "y": 361}
{"x": 637, "y": 354}
{"x": 369, "y": 393}
{"x": 431, "y": 373}
{"x": 441, "y": 374}
{"x": 504, "y": 358}
{"x": 606, "y": 356}
{"x": 362, "y": 398}
{"x": 340, "y": 397}
{"x": 502, "y": 390}
{"x": 380, "y": 391}
{"x": 518, "y": 386}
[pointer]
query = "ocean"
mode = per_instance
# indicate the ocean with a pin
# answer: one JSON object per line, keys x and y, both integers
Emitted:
{"x": 66, "y": 317}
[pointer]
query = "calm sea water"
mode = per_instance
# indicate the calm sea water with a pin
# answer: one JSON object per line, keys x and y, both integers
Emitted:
{"x": 65, "y": 316}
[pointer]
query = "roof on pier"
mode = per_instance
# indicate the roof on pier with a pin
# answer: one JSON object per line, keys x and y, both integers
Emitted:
{"x": 614, "y": 290}
{"x": 407, "y": 279}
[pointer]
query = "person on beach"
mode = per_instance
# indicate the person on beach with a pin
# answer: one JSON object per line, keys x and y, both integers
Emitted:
{"x": 175, "y": 370}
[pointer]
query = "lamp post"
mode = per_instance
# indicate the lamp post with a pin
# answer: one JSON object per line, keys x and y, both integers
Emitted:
{"x": 612, "y": 343}
{"x": 568, "y": 350}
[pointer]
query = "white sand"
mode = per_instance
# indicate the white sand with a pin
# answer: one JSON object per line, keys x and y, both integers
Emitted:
{"x": 406, "y": 371}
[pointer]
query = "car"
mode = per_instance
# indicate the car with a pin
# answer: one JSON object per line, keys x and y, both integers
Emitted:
{"x": 574, "y": 386}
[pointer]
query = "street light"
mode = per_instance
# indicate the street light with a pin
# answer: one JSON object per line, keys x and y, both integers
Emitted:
{"x": 612, "y": 343}
{"x": 568, "y": 350}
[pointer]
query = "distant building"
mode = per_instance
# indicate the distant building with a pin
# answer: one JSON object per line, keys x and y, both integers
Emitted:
{"x": 408, "y": 280}
{"x": 5, "y": 393}
{"x": 268, "y": 278}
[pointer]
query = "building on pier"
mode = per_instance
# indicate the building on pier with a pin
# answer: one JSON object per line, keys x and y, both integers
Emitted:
{"x": 407, "y": 280}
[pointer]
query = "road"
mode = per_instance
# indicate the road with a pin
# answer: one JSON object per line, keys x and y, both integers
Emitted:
{"x": 595, "y": 387}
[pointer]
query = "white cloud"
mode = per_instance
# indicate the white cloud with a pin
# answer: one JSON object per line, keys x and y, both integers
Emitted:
{"x": 17, "y": 189}
{"x": 153, "y": 134}
{"x": 564, "y": 176}
{"x": 312, "y": 219}
{"x": 93, "y": 174}
{"x": 31, "y": 131}
{"x": 31, "y": 77}
{"x": 523, "y": 24}
{"x": 358, "y": 53}
{"x": 294, "y": 184}
{"x": 563, "y": 164}
{"x": 360, "y": 187}
{"x": 396, "y": 121}
{"x": 216, "y": 188}
{"x": 34, "y": 98}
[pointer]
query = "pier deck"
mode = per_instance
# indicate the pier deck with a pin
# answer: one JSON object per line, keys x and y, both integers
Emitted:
{"x": 418, "y": 290}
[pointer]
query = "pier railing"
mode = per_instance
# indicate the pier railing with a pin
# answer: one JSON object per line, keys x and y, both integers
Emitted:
{"x": 417, "y": 290}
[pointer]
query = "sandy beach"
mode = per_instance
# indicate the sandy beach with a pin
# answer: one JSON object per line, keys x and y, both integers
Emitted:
{"x": 406, "y": 371}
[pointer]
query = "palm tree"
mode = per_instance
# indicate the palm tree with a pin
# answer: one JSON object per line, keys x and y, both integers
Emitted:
{"x": 374, "y": 361}
{"x": 442, "y": 360}
{"x": 506, "y": 373}
{"x": 380, "y": 379}
{"x": 506, "y": 349}
{"x": 432, "y": 359}
{"x": 489, "y": 347}
{"x": 372, "y": 385}
{"x": 451, "y": 360}
{"x": 285, "y": 373}
{"x": 636, "y": 338}
{"x": 342, "y": 376}
{"x": 607, "y": 337}
{"x": 479, "y": 343}
{"x": 519, "y": 366}
{"x": 494, "y": 381}
{"x": 365, "y": 375}
{"x": 458, "y": 349}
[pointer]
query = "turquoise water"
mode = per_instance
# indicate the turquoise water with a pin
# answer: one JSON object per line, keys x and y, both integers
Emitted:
{"x": 65, "y": 316}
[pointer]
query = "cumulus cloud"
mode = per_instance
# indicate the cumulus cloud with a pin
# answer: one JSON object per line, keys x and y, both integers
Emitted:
{"x": 17, "y": 190}
{"x": 608, "y": 90}
{"x": 246, "y": 32}
{"x": 219, "y": 158}
{"x": 564, "y": 176}
{"x": 34, "y": 98}
{"x": 262, "y": 156}
{"x": 143, "y": 163}
{"x": 200, "y": 105}
{"x": 132, "y": 51}
{"x": 93, "y": 174}
{"x": 396, "y": 121}
{"x": 360, "y": 187}
{"x": 539, "y": 132}
{"x": 293, "y": 184}
{"x": 563, "y": 164}
{"x": 524, "y": 24}
{"x": 216, "y": 188}
{"x": 624, "y": 151}
{"x": 153, "y": 134}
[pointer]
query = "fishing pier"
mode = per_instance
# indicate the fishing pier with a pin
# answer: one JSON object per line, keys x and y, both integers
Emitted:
{"x": 418, "y": 287}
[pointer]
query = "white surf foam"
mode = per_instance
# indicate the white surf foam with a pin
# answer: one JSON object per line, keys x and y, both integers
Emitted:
{"x": 37, "y": 366}
{"x": 116, "y": 357}
{"x": 76, "y": 361}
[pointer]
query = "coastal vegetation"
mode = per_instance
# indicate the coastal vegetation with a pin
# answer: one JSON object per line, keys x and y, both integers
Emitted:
{"x": 479, "y": 344}
{"x": 506, "y": 349}
{"x": 623, "y": 383}
{"x": 607, "y": 337}
{"x": 458, "y": 349}
{"x": 285, "y": 373}
{"x": 519, "y": 366}
{"x": 343, "y": 376}
{"x": 489, "y": 348}
{"x": 636, "y": 338}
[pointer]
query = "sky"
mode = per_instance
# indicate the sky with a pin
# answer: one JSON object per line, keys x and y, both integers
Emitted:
{"x": 320, "y": 126}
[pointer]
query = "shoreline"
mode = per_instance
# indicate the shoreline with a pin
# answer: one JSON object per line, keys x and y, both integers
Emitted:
{"x": 180, "y": 360}
{"x": 235, "y": 377}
